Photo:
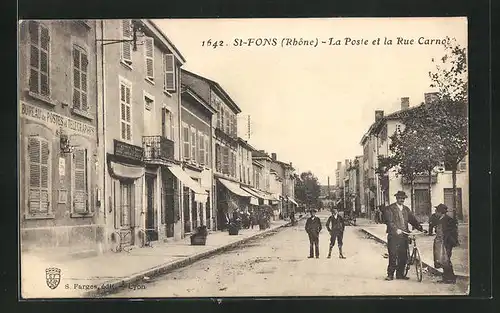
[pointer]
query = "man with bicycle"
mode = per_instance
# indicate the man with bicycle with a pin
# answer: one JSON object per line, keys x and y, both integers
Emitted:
{"x": 397, "y": 216}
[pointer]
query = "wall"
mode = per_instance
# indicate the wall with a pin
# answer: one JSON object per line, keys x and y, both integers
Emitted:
{"x": 48, "y": 118}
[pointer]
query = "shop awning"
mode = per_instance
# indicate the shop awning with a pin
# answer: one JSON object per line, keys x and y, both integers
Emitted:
{"x": 126, "y": 171}
{"x": 292, "y": 201}
{"x": 200, "y": 193}
{"x": 257, "y": 193}
{"x": 234, "y": 188}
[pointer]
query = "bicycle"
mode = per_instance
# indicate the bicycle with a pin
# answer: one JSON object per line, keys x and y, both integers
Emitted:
{"x": 414, "y": 258}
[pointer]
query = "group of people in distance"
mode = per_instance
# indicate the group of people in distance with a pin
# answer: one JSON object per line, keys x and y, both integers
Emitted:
{"x": 397, "y": 216}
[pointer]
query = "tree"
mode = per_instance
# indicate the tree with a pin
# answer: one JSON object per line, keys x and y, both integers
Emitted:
{"x": 449, "y": 112}
{"x": 307, "y": 189}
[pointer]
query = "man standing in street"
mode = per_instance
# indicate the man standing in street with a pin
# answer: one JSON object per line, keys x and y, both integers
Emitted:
{"x": 397, "y": 216}
{"x": 335, "y": 226}
{"x": 446, "y": 239}
{"x": 313, "y": 228}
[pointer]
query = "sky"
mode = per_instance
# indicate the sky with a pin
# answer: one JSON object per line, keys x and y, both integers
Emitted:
{"x": 312, "y": 105}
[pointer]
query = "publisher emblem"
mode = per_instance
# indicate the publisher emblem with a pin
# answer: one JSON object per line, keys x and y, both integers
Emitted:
{"x": 53, "y": 277}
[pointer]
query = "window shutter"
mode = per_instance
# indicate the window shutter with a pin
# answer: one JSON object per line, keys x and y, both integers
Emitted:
{"x": 201, "y": 142}
{"x": 172, "y": 127}
{"x": 39, "y": 169}
{"x": 169, "y": 66}
{"x": 149, "y": 51}
{"x": 193, "y": 145}
{"x": 127, "y": 46}
{"x": 44, "y": 60}
{"x": 163, "y": 122}
{"x": 207, "y": 150}
{"x": 187, "y": 146}
{"x": 80, "y": 200}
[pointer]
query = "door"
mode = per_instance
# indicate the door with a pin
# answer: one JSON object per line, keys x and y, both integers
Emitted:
{"x": 126, "y": 213}
{"x": 194, "y": 211}
{"x": 448, "y": 201}
{"x": 186, "y": 205}
{"x": 150, "y": 209}
{"x": 169, "y": 203}
{"x": 422, "y": 207}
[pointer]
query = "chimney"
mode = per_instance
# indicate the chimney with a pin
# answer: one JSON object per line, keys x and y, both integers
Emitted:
{"x": 405, "y": 103}
{"x": 339, "y": 165}
{"x": 430, "y": 97}
{"x": 273, "y": 156}
{"x": 379, "y": 114}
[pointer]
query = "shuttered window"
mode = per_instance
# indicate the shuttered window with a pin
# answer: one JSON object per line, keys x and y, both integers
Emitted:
{"x": 169, "y": 80}
{"x": 149, "y": 55}
{"x": 126, "y": 51}
{"x": 80, "y": 182}
{"x": 39, "y": 59}
{"x": 219, "y": 115}
{"x": 225, "y": 160}
{"x": 185, "y": 139}
{"x": 80, "y": 79}
{"x": 207, "y": 150}
{"x": 39, "y": 175}
{"x": 193, "y": 145}
{"x": 125, "y": 111}
{"x": 218, "y": 158}
{"x": 201, "y": 142}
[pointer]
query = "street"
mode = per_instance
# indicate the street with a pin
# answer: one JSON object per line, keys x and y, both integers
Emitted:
{"x": 277, "y": 265}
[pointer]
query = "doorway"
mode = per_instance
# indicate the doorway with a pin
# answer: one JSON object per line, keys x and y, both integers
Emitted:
{"x": 422, "y": 207}
{"x": 151, "y": 230}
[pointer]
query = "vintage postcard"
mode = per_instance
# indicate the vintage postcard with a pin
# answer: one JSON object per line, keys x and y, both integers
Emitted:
{"x": 243, "y": 157}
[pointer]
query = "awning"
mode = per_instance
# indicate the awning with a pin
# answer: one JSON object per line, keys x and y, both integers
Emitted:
{"x": 200, "y": 194}
{"x": 257, "y": 193}
{"x": 252, "y": 192}
{"x": 234, "y": 188}
{"x": 292, "y": 201}
{"x": 126, "y": 171}
{"x": 254, "y": 200}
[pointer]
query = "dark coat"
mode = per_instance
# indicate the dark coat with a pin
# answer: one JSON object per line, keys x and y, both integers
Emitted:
{"x": 450, "y": 231}
{"x": 313, "y": 225}
{"x": 393, "y": 222}
{"x": 337, "y": 224}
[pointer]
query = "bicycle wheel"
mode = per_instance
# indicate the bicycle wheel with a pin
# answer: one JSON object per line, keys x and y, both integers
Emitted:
{"x": 418, "y": 264}
{"x": 408, "y": 263}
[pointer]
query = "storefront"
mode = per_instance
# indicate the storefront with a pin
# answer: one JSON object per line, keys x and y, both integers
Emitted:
{"x": 231, "y": 197}
{"x": 194, "y": 199}
{"x": 127, "y": 175}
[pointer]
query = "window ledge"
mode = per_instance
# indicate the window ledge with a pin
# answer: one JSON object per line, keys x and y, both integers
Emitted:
{"x": 125, "y": 64}
{"x": 28, "y": 216}
{"x": 167, "y": 93}
{"x": 45, "y": 99}
{"x": 82, "y": 113}
{"x": 74, "y": 214}
{"x": 149, "y": 81}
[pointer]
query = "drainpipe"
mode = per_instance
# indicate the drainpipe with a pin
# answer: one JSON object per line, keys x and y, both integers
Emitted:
{"x": 104, "y": 155}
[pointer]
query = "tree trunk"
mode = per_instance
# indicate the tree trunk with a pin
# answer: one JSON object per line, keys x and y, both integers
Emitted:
{"x": 454, "y": 180}
{"x": 430, "y": 191}
{"x": 412, "y": 196}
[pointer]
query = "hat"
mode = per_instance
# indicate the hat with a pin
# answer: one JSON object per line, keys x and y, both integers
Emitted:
{"x": 441, "y": 208}
{"x": 313, "y": 210}
{"x": 401, "y": 194}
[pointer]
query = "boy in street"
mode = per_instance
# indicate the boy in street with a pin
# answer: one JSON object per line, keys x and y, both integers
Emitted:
{"x": 335, "y": 225}
{"x": 313, "y": 228}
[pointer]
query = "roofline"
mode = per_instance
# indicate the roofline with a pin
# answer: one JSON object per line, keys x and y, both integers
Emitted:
{"x": 152, "y": 25}
{"x": 195, "y": 96}
{"x": 257, "y": 163}
{"x": 245, "y": 143}
{"x": 219, "y": 88}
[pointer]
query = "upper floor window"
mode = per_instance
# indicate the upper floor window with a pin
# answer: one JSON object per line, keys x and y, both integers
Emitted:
{"x": 185, "y": 140}
{"x": 170, "y": 73}
{"x": 39, "y": 167}
{"x": 207, "y": 151}
{"x": 201, "y": 147}
{"x": 39, "y": 59}
{"x": 219, "y": 115}
{"x": 193, "y": 145}
{"x": 126, "y": 49}
{"x": 168, "y": 126}
{"x": 125, "y": 111}
{"x": 148, "y": 102}
{"x": 149, "y": 56}
{"x": 80, "y": 79}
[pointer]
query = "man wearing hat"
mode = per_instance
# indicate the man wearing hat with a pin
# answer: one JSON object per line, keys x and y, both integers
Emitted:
{"x": 335, "y": 226}
{"x": 444, "y": 242}
{"x": 313, "y": 227}
{"x": 397, "y": 216}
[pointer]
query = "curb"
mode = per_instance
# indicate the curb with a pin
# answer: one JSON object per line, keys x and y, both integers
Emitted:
{"x": 430, "y": 268}
{"x": 115, "y": 285}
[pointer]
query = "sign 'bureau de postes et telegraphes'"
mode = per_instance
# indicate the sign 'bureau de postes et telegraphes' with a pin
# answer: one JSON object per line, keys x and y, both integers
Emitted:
{"x": 56, "y": 120}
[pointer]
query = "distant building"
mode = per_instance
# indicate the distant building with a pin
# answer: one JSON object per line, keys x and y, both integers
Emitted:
{"x": 381, "y": 190}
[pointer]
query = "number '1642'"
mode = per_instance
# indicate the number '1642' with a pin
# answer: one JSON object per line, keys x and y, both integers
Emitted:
{"x": 210, "y": 43}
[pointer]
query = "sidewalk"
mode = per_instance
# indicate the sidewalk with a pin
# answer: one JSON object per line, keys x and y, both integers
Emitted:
{"x": 99, "y": 275}
{"x": 459, "y": 258}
